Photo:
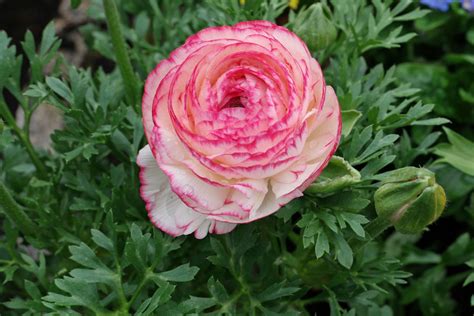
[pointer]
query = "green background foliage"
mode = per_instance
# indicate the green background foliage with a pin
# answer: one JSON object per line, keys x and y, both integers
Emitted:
{"x": 87, "y": 247}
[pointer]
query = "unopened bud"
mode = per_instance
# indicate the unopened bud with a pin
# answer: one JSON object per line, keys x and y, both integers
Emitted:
{"x": 314, "y": 27}
{"x": 410, "y": 198}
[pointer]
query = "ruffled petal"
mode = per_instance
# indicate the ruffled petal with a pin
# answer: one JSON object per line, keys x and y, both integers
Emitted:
{"x": 165, "y": 209}
{"x": 319, "y": 148}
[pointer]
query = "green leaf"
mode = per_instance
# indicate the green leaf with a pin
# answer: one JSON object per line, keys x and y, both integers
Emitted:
{"x": 458, "y": 153}
{"x": 8, "y": 271}
{"x": 32, "y": 290}
{"x": 60, "y": 88}
{"x": 94, "y": 276}
{"x": 81, "y": 204}
{"x": 101, "y": 240}
{"x": 217, "y": 290}
{"x": 322, "y": 245}
{"x": 288, "y": 210}
{"x": 469, "y": 279}
{"x": 198, "y": 304}
{"x": 8, "y": 60}
{"x": 460, "y": 58}
{"x": 81, "y": 294}
{"x": 84, "y": 255}
{"x": 345, "y": 201}
{"x": 221, "y": 257}
{"x": 276, "y": 291}
{"x": 182, "y": 273}
{"x": 343, "y": 252}
{"x": 137, "y": 249}
{"x": 432, "y": 122}
{"x": 161, "y": 296}
{"x": 355, "y": 221}
{"x": 47, "y": 39}
{"x": 349, "y": 119}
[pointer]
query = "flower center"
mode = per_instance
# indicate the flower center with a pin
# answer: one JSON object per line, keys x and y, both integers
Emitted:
{"x": 235, "y": 102}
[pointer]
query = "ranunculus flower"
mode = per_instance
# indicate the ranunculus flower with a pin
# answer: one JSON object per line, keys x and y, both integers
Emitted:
{"x": 239, "y": 122}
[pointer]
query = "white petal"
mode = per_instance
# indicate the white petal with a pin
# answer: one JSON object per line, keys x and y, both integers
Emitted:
{"x": 320, "y": 146}
{"x": 165, "y": 209}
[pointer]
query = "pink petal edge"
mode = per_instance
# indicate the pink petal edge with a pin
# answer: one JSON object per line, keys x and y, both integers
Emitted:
{"x": 158, "y": 197}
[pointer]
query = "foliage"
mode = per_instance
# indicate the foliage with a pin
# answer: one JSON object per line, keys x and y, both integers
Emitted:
{"x": 93, "y": 250}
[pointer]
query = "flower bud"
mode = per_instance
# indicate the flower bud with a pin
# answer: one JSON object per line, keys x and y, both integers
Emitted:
{"x": 314, "y": 27}
{"x": 410, "y": 198}
{"x": 293, "y": 4}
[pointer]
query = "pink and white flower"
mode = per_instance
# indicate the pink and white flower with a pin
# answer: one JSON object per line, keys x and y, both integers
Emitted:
{"x": 239, "y": 122}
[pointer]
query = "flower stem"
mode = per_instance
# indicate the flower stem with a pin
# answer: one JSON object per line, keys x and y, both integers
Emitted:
{"x": 123, "y": 61}
{"x": 23, "y": 136}
{"x": 15, "y": 213}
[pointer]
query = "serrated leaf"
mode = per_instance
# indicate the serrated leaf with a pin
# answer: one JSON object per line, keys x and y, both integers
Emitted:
{"x": 346, "y": 201}
{"x": 102, "y": 240}
{"x": 198, "y": 304}
{"x": 81, "y": 294}
{"x": 94, "y": 276}
{"x": 8, "y": 272}
{"x": 322, "y": 245}
{"x": 47, "y": 39}
{"x": 136, "y": 248}
{"x": 459, "y": 153}
{"x": 80, "y": 204}
{"x": 276, "y": 291}
{"x": 355, "y": 221}
{"x": 343, "y": 251}
{"x": 161, "y": 296}
{"x": 288, "y": 210}
{"x": 329, "y": 220}
{"x": 432, "y": 121}
{"x": 32, "y": 290}
{"x": 217, "y": 290}
{"x": 182, "y": 273}
{"x": 60, "y": 88}
{"x": 84, "y": 255}
{"x": 349, "y": 119}
{"x": 221, "y": 257}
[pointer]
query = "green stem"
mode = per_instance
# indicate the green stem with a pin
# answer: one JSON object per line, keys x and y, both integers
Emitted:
{"x": 120, "y": 291}
{"x": 138, "y": 290}
{"x": 123, "y": 61}
{"x": 15, "y": 213}
{"x": 24, "y": 138}
{"x": 145, "y": 279}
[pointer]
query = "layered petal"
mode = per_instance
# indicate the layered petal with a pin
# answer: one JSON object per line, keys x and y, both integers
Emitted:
{"x": 165, "y": 209}
{"x": 319, "y": 148}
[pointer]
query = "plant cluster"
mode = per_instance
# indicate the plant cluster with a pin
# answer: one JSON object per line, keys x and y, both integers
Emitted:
{"x": 75, "y": 237}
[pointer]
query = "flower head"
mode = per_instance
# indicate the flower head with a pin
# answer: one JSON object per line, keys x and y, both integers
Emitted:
{"x": 441, "y": 5}
{"x": 239, "y": 122}
{"x": 468, "y": 5}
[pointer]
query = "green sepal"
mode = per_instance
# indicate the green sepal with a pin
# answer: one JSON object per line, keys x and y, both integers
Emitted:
{"x": 337, "y": 175}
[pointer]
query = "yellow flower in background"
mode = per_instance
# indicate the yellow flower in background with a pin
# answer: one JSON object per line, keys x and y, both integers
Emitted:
{"x": 293, "y": 4}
